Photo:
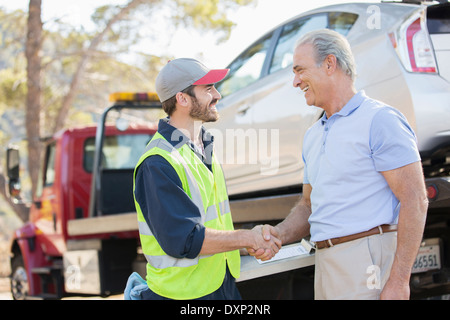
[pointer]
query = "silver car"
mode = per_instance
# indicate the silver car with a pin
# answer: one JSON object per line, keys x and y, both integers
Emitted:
{"x": 402, "y": 53}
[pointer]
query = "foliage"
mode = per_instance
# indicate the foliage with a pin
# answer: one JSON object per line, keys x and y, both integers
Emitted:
{"x": 79, "y": 68}
{"x": 207, "y": 15}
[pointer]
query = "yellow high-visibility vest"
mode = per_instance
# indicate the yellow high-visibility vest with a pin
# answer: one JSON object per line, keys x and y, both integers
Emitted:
{"x": 189, "y": 278}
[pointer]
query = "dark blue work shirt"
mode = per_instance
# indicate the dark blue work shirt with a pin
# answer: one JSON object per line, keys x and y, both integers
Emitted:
{"x": 173, "y": 218}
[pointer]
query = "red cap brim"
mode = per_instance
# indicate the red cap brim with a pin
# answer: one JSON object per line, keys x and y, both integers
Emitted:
{"x": 213, "y": 76}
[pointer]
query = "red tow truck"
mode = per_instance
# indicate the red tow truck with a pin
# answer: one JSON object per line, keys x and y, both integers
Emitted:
{"x": 82, "y": 235}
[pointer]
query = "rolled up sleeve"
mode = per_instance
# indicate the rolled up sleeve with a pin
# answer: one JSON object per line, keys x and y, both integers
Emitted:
{"x": 173, "y": 218}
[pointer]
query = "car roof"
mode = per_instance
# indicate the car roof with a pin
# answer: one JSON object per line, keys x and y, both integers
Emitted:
{"x": 388, "y": 8}
{"x": 392, "y": 11}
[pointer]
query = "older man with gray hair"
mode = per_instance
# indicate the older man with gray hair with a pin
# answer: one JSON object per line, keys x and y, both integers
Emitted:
{"x": 364, "y": 201}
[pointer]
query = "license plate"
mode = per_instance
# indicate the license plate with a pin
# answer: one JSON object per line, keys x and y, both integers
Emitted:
{"x": 429, "y": 257}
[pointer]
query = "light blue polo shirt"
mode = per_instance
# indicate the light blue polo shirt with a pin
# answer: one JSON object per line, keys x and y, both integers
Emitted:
{"x": 344, "y": 157}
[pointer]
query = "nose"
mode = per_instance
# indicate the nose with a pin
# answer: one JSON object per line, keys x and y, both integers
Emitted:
{"x": 297, "y": 81}
{"x": 216, "y": 94}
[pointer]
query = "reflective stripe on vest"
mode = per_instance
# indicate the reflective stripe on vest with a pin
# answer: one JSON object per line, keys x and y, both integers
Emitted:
{"x": 211, "y": 214}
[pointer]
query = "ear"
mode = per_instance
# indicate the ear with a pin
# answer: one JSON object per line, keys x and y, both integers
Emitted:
{"x": 181, "y": 99}
{"x": 330, "y": 63}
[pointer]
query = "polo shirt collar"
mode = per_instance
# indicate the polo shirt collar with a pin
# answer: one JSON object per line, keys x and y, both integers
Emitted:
{"x": 349, "y": 107}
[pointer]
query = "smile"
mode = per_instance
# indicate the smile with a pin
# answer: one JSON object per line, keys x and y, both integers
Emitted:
{"x": 213, "y": 104}
{"x": 305, "y": 89}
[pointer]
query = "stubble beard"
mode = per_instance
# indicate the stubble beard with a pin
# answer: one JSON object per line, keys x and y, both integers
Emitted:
{"x": 203, "y": 113}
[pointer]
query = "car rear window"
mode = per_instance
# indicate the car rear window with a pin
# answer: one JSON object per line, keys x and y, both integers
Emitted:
{"x": 246, "y": 69}
{"x": 438, "y": 19}
{"x": 341, "y": 22}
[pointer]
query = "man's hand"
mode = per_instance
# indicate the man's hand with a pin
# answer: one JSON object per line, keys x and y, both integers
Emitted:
{"x": 393, "y": 291}
{"x": 270, "y": 244}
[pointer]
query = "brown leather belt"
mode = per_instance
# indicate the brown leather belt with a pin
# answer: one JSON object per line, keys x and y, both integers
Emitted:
{"x": 377, "y": 230}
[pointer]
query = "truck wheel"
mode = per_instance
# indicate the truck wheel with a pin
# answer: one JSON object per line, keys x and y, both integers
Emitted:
{"x": 19, "y": 278}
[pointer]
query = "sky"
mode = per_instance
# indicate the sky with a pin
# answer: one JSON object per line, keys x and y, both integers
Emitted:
{"x": 251, "y": 23}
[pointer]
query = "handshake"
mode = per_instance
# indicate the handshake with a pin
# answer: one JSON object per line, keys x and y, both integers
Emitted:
{"x": 266, "y": 242}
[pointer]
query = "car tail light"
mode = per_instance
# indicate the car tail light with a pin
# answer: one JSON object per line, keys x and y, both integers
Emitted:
{"x": 432, "y": 192}
{"x": 412, "y": 43}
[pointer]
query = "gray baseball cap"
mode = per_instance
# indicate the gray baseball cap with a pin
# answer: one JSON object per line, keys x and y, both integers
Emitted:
{"x": 181, "y": 73}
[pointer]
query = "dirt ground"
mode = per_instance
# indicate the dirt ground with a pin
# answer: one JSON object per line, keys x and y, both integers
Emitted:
{"x": 4, "y": 270}
{"x": 5, "y": 293}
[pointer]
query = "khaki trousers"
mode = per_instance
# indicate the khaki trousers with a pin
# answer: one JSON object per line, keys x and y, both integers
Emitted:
{"x": 355, "y": 270}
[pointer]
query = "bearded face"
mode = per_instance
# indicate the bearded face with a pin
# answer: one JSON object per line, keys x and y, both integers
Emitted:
{"x": 204, "y": 111}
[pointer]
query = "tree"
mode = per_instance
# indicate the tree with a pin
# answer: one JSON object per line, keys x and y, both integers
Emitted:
{"x": 33, "y": 111}
{"x": 68, "y": 99}
{"x": 198, "y": 14}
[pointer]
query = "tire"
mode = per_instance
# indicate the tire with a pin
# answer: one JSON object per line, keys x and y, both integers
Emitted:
{"x": 19, "y": 278}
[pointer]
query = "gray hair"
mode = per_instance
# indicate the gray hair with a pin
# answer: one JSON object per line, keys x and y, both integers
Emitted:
{"x": 326, "y": 42}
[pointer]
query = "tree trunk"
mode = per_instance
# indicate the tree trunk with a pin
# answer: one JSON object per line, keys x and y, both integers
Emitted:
{"x": 33, "y": 107}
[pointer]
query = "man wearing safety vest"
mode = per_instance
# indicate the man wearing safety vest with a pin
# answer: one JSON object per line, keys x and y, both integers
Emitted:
{"x": 184, "y": 216}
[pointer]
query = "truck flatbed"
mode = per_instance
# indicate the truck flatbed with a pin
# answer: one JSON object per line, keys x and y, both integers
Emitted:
{"x": 103, "y": 224}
